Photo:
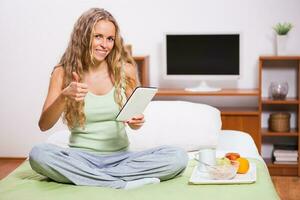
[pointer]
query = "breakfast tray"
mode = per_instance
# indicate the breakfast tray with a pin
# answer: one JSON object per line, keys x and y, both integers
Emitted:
{"x": 203, "y": 178}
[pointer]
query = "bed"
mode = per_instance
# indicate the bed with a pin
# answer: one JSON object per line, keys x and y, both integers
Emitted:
{"x": 188, "y": 125}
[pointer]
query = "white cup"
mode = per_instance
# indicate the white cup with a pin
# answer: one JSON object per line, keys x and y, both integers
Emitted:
{"x": 206, "y": 156}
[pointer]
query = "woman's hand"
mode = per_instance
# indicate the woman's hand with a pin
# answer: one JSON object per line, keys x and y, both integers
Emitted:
{"x": 136, "y": 122}
{"x": 75, "y": 90}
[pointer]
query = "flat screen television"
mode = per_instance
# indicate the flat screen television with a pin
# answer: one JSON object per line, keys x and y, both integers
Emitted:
{"x": 202, "y": 57}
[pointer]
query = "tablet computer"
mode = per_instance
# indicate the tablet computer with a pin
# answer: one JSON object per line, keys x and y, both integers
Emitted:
{"x": 136, "y": 103}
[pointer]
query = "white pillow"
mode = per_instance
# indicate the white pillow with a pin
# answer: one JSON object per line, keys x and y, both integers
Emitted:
{"x": 191, "y": 126}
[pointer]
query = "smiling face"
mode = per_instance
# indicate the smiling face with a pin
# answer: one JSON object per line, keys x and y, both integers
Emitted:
{"x": 103, "y": 39}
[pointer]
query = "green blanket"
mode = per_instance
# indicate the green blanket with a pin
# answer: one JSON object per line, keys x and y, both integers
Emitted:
{"x": 25, "y": 184}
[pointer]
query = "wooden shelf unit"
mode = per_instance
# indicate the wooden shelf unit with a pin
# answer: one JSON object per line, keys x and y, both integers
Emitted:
{"x": 286, "y": 101}
{"x": 292, "y": 133}
{"x": 272, "y": 62}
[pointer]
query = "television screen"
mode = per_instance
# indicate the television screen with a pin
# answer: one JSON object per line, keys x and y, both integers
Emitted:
{"x": 209, "y": 54}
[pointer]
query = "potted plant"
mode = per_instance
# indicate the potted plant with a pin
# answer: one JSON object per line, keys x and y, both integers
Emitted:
{"x": 282, "y": 30}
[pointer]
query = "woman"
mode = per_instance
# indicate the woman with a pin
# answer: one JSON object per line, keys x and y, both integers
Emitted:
{"x": 88, "y": 87}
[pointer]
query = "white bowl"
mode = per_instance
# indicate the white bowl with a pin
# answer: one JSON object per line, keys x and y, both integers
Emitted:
{"x": 223, "y": 172}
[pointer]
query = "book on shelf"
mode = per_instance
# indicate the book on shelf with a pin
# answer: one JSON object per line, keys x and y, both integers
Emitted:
{"x": 285, "y": 154}
{"x": 282, "y": 153}
{"x": 286, "y": 162}
{"x": 286, "y": 158}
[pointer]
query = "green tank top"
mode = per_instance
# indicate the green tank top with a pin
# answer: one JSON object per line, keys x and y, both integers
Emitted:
{"x": 102, "y": 133}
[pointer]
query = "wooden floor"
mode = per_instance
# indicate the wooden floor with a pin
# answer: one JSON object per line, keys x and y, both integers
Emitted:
{"x": 287, "y": 187}
{"x": 7, "y": 165}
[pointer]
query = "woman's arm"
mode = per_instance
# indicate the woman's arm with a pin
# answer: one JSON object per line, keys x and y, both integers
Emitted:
{"x": 131, "y": 72}
{"x": 55, "y": 101}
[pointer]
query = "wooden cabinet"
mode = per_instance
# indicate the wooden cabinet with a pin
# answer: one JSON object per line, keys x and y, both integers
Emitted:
{"x": 271, "y": 69}
{"x": 247, "y": 122}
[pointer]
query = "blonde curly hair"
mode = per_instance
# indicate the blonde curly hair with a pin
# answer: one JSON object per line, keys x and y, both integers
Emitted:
{"x": 79, "y": 56}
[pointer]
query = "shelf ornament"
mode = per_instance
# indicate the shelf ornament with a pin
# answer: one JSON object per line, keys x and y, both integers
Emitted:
{"x": 282, "y": 30}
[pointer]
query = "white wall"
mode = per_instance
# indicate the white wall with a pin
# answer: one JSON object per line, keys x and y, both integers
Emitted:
{"x": 34, "y": 35}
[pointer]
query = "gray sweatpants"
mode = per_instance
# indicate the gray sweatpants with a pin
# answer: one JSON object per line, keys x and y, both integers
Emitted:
{"x": 67, "y": 165}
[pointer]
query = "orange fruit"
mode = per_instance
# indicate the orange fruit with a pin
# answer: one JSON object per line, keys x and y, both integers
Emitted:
{"x": 244, "y": 165}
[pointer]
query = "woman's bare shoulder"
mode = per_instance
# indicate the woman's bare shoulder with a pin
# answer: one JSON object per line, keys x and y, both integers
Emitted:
{"x": 57, "y": 77}
{"x": 58, "y": 70}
